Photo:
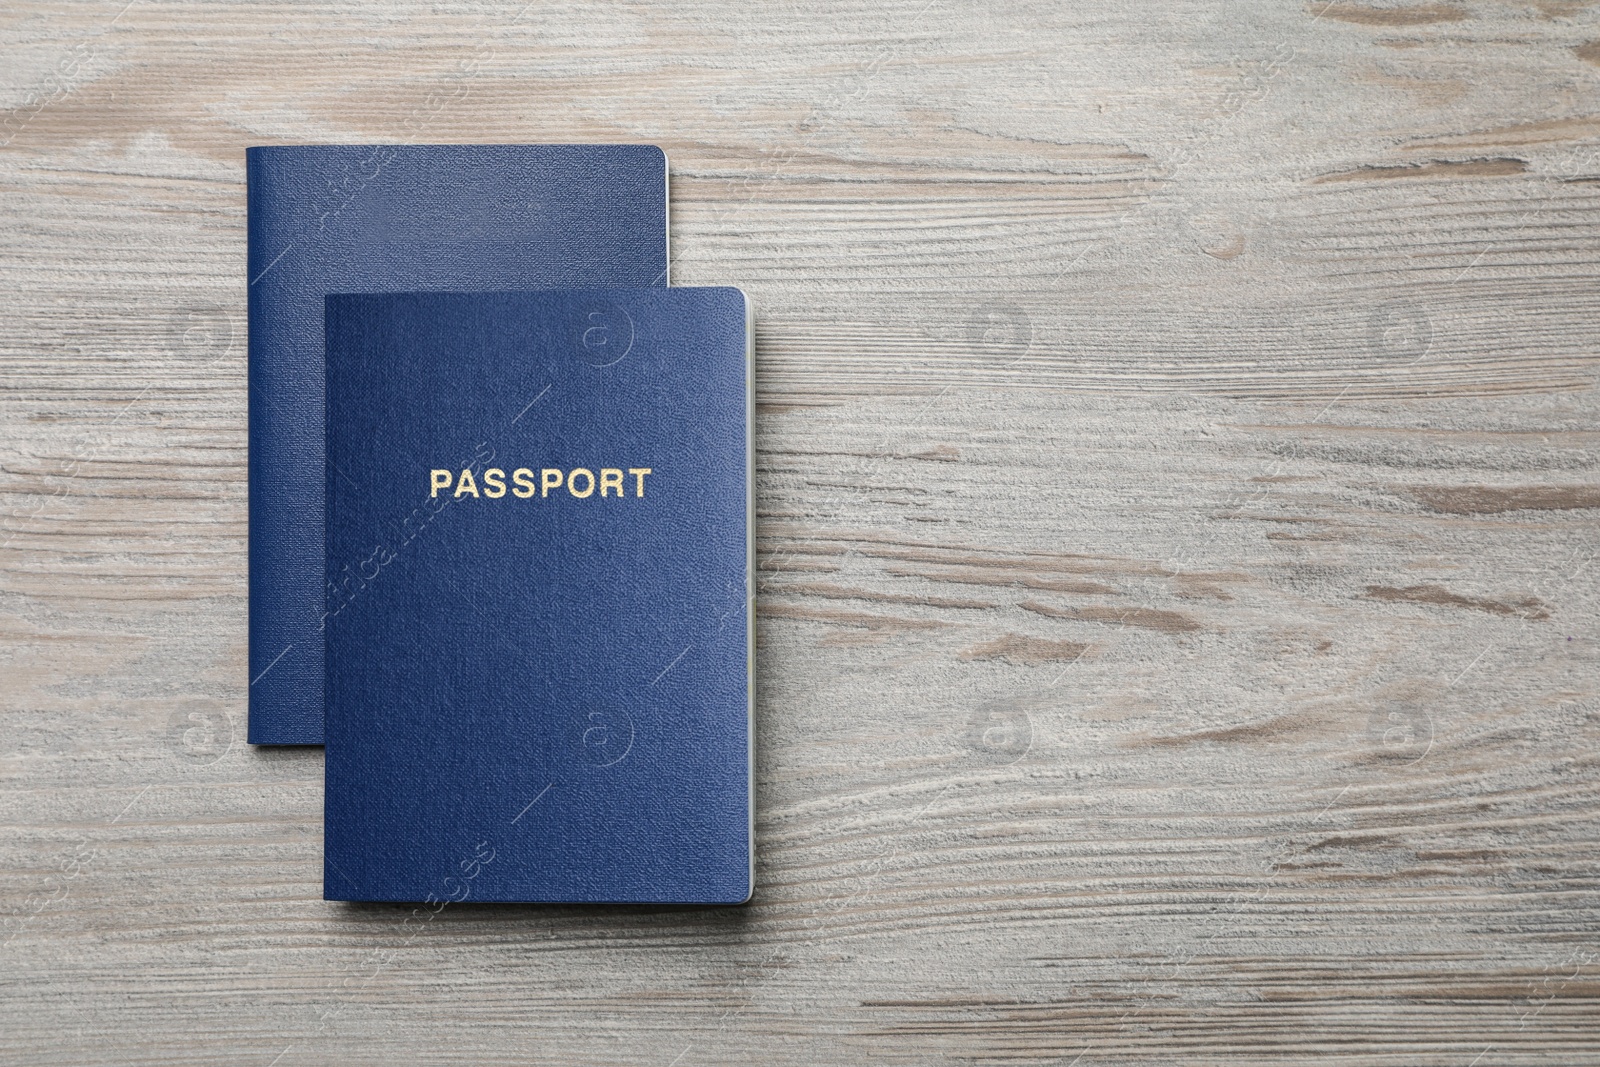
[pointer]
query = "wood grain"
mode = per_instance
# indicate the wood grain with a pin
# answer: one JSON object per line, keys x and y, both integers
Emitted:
{"x": 1178, "y": 491}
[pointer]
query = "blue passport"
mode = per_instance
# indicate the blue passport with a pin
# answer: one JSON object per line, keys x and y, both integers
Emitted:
{"x": 539, "y": 632}
{"x": 391, "y": 218}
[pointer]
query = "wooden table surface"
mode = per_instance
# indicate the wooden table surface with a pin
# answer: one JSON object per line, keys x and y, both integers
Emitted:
{"x": 1177, "y": 489}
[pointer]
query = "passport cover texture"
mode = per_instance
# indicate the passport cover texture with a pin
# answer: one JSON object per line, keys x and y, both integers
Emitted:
{"x": 391, "y": 218}
{"x": 538, "y": 572}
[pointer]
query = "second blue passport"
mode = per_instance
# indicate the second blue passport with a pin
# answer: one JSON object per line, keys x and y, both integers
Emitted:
{"x": 396, "y": 218}
{"x": 538, "y": 671}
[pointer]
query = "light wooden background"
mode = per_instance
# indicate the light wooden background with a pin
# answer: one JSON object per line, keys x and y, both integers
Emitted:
{"x": 1178, "y": 492}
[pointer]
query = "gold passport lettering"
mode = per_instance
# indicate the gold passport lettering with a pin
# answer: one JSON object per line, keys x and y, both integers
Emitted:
{"x": 580, "y": 482}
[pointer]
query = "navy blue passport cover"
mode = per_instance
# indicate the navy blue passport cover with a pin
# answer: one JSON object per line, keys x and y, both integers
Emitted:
{"x": 392, "y": 218}
{"x": 538, "y": 593}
